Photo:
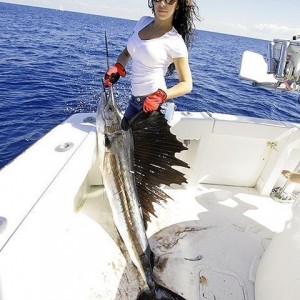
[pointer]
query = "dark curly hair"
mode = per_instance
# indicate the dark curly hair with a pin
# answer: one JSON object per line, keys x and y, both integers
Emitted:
{"x": 183, "y": 21}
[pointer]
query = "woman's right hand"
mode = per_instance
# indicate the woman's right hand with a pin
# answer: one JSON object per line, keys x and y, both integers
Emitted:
{"x": 113, "y": 74}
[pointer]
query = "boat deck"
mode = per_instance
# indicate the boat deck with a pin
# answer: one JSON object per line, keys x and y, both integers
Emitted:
{"x": 58, "y": 233}
{"x": 207, "y": 242}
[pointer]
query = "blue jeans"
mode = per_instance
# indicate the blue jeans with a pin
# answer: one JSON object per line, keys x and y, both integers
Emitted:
{"x": 135, "y": 105}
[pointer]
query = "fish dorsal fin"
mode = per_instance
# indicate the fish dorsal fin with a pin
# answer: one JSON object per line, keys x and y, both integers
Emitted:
{"x": 154, "y": 157}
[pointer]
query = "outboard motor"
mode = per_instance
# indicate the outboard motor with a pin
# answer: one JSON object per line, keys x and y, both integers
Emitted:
{"x": 284, "y": 62}
{"x": 280, "y": 70}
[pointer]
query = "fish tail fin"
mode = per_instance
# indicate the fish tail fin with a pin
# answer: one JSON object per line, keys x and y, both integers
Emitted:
{"x": 159, "y": 293}
{"x": 156, "y": 291}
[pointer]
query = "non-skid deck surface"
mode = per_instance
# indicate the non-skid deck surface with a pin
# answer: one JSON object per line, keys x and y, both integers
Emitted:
{"x": 207, "y": 241}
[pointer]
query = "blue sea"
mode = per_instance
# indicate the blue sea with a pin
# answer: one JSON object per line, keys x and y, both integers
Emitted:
{"x": 52, "y": 63}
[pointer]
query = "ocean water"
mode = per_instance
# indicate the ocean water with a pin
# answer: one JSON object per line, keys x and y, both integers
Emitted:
{"x": 52, "y": 62}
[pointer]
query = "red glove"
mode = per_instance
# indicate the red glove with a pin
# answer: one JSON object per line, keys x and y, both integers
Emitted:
{"x": 153, "y": 101}
{"x": 113, "y": 74}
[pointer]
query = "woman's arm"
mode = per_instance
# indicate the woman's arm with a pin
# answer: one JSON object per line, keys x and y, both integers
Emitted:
{"x": 185, "y": 83}
{"x": 124, "y": 57}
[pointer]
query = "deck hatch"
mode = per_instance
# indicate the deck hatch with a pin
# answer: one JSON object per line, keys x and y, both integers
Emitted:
{"x": 220, "y": 285}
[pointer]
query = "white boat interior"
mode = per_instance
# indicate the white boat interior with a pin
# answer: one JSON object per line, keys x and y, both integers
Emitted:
{"x": 221, "y": 237}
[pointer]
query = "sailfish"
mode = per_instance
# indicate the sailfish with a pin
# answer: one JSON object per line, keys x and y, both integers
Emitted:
{"x": 134, "y": 164}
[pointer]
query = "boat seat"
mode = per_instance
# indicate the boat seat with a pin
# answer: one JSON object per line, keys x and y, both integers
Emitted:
{"x": 280, "y": 264}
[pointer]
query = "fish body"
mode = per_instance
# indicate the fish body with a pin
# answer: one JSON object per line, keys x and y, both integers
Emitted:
{"x": 116, "y": 162}
{"x": 116, "y": 148}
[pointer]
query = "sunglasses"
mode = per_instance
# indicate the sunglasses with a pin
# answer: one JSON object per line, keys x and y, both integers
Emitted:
{"x": 170, "y": 2}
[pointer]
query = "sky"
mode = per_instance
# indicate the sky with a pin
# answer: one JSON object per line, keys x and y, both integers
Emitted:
{"x": 263, "y": 19}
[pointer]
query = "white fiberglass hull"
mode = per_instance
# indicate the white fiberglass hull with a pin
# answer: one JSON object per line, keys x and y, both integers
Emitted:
{"x": 59, "y": 241}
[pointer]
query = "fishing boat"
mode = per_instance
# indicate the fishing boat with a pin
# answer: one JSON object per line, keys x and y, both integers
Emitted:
{"x": 230, "y": 233}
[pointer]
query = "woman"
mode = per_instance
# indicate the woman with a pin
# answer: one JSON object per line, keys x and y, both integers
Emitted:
{"x": 157, "y": 46}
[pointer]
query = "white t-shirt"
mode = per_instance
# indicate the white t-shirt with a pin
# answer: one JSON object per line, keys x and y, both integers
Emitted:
{"x": 151, "y": 58}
